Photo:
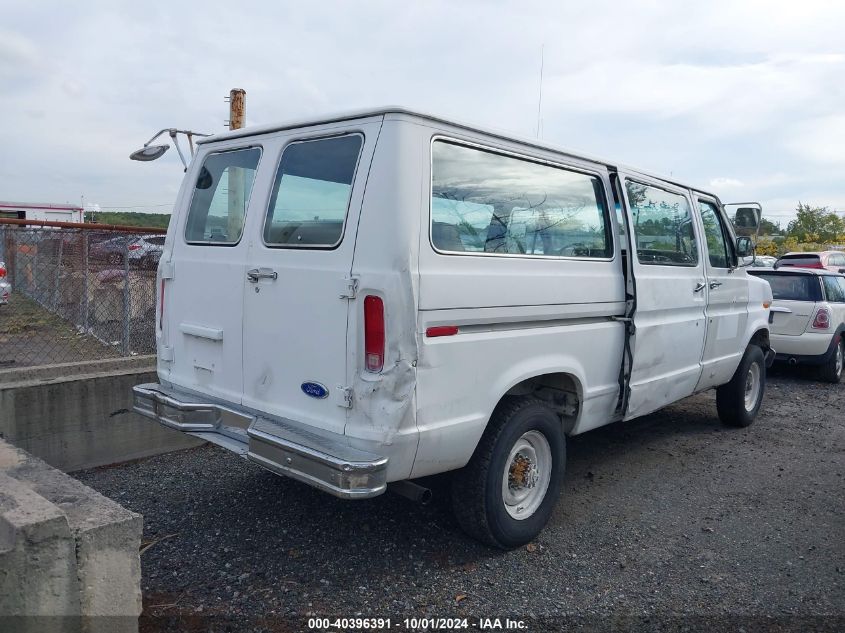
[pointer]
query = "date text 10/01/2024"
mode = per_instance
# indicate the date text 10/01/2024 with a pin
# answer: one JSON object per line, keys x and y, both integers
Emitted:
{"x": 417, "y": 624}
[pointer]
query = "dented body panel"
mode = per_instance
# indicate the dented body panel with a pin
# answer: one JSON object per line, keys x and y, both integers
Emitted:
{"x": 465, "y": 324}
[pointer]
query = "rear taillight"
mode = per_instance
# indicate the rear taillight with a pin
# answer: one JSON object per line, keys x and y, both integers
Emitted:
{"x": 2, "y": 271}
{"x": 374, "y": 333}
{"x": 134, "y": 247}
{"x": 822, "y": 320}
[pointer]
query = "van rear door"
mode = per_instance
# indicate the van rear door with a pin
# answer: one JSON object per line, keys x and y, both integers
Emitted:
{"x": 201, "y": 291}
{"x": 297, "y": 284}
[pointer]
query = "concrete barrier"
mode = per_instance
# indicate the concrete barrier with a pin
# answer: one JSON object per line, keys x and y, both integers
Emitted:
{"x": 68, "y": 556}
{"x": 78, "y": 415}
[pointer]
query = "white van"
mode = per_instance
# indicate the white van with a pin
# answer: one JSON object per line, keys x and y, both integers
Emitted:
{"x": 369, "y": 298}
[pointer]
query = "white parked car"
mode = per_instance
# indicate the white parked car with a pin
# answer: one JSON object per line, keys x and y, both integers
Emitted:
{"x": 808, "y": 318}
{"x": 417, "y": 296}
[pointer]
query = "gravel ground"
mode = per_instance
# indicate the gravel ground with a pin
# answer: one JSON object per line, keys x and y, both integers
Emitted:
{"x": 668, "y": 522}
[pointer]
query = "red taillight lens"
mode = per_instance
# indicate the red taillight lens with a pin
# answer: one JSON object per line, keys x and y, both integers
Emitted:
{"x": 822, "y": 320}
{"x": 134, "y": 247}
{"x": 374, "y": 333}
{"x": 2, "y": 271}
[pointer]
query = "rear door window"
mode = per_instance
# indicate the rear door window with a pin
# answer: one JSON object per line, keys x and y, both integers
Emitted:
{"x": 311, "y": 193}
{"x": 788, "y": 287}
{"x": 662, "y": 224}
{"x": 221, "y": 196}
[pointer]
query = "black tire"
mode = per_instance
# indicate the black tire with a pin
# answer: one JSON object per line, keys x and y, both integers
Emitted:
{"x": 730, "y": 397}
{"x": 477, "y": 495}
{"x": 831, "y": 371}
{"x": 114, "y": 258}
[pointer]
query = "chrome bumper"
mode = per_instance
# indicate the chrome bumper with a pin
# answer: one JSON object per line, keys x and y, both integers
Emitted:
{"x": 320, "y": 459}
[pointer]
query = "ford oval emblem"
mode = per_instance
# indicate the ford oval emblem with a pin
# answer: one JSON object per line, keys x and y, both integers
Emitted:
{"x": 314, "y": 389}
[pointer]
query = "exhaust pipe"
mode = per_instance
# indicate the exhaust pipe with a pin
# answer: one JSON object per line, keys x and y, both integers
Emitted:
{"x": 410, "y": 490}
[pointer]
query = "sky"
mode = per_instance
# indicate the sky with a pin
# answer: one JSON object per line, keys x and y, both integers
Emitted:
{"x": 744, "y": 98}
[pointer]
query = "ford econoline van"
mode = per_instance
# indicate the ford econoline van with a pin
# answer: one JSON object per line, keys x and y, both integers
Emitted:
{"x": 358, "y": 301}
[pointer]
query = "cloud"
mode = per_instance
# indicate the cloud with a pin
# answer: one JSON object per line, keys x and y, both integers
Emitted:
{"x": 744, "y": 95}
{"x": 726, "y": 183}
{"x": 820, "y": 140}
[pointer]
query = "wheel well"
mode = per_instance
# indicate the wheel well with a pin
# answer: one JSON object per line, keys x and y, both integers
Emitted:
{"x": 560, "y": 391}
{"x": 761, "y": 339}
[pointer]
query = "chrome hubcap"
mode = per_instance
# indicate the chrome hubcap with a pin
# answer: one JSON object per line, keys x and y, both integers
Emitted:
{"x": 752, "y": 386}
{"x": 528, "y": 471}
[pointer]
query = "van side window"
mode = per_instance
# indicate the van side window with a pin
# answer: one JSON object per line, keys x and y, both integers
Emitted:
{"x": 311, "y": 192}
{"x": 220, "y": 198}
{"x": 483, "y": 202}
{"x": 714, "y": 234}
{"x": 663, "y": 226}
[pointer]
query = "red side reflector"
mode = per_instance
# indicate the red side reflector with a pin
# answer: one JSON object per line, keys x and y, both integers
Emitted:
{"x": 441, "y": 330}
{"x": 373, "y": 333}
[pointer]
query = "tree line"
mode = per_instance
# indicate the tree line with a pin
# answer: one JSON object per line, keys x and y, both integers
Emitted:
{"x": 129, "y": 218}
{"x": 813, "y": 229}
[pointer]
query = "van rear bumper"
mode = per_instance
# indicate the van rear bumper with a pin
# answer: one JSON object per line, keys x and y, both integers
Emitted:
{"x": 321, "y": 459}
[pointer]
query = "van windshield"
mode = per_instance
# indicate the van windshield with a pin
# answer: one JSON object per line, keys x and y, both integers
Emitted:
{"x": 788, "y": 287}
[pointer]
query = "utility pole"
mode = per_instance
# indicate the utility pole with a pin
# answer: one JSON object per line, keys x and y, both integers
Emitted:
{"x": 237, "y": 108}
{"x": 237, "y": 119}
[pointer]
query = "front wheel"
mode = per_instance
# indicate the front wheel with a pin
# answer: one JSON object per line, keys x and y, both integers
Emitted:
{"x": 831, "y": 371}
{"x": 739, "y": 400}
{"x": 506, "y": 493}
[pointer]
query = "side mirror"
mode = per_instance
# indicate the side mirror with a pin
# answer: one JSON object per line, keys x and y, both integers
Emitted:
{"x": 744, "y": 248}
{"x": 745, "y": 217}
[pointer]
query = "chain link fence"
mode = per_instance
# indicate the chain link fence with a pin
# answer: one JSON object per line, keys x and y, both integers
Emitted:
{"x": 77, "y": 294}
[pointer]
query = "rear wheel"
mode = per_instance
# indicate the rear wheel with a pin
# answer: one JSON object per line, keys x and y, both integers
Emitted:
{"x": 507, "y": 492}
{"x": 831, "y": 371}
{"x": 739, "y": 400}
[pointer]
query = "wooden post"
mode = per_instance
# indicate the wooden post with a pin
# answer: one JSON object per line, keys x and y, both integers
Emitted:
{"x": 235, "y": 175}
{"x": 237, "y": 108}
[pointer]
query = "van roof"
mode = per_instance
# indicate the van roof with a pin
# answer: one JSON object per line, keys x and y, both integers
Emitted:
{"x": 383, "y": 110}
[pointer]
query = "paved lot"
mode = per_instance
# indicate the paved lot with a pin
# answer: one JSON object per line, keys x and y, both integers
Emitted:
{"x": 669, "y": 522}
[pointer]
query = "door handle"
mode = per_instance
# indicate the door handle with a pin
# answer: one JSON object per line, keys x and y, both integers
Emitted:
{"x": 715, "y": 284}
{"x": 261, "y": 273}
{"x": 699, "y": 286}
